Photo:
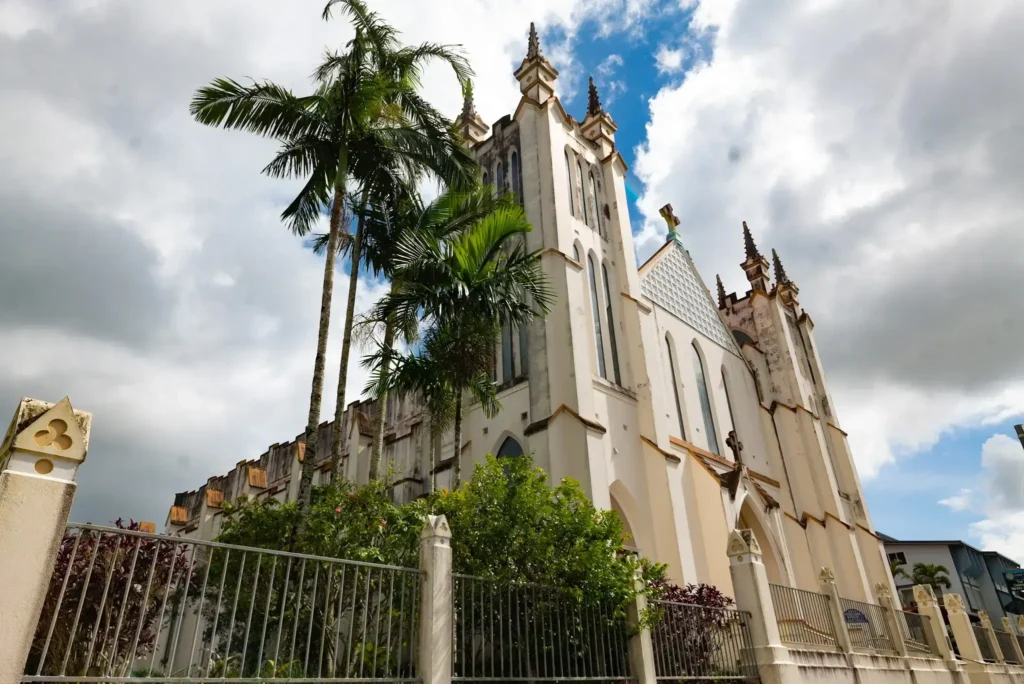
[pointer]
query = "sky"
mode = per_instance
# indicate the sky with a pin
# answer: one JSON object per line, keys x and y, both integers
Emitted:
{"x": 878, "y": 146}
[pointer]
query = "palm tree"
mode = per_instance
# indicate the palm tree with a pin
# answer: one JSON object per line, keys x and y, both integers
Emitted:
{"x": 896, "y": 569}
{"x": 467, "y": 271}
{"x": 931, "y": 574}
{"x": 364, "y": 113}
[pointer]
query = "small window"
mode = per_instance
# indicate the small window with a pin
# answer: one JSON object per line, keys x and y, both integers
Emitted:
{"x": 576, "y": 253}
{"x": 514, "y": 171}
{"x": 898, "y": 557}
{"x": 568, "y": 178}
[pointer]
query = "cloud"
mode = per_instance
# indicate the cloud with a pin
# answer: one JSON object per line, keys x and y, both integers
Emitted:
{"x": 609, "y": 64}
{"x": 668, "y": 60}
{"x": 961, "y": 501}
{"x": 146, "y": 272}
{"x": 1002, "y": 500}
{"x": 886, "y": 173}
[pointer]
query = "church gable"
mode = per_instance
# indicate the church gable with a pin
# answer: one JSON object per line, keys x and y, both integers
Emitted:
{"x": 671, "y": 281}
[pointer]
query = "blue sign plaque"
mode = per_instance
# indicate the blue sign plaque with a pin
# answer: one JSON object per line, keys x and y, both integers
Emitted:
{"x": 854, "y": 617}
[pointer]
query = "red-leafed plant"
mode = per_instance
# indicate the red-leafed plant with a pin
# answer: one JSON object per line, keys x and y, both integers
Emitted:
{"x": 107, "y": 595}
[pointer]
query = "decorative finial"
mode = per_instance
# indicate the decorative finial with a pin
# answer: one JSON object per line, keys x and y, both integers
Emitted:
{"x": 748, "y": 243}
{"x": 468, "y": 107}
{"x": 533, "y": 47}
{"x": 670, "y": 219}
{"x": 780, "y": 272}
{"x": 721, "y": 291}
{"x": 593, "y": 101}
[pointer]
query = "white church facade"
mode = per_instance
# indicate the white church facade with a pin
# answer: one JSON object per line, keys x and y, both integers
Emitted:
{"x": 688, "y": 414}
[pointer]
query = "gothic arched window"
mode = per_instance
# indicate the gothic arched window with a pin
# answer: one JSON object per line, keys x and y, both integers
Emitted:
{"x": 674, "y": 379}
{"x": 705, "y": 400}
{"x": 487, "y": 179}
{"x": 514, "y": 170}
{"x": 576, "y": 253}
{"x": 583, "y": 193}
{"x": 499, "y": 178}
{"x": 510, "y": 448}
{"x": 596, "y": 204}
{"x": 568, "y": 180}
{"x": 611, "y": 326}
{"x": 595, "y": 308}
{"x": 524, "y": 367}
{"x": 728, "y": 402}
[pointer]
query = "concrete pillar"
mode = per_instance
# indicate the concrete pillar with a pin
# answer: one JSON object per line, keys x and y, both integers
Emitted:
{"x": 750, "y": 584}
{"x": 928, "y": 606}
{"x": 39, "y": 460}
{"x": 893, "y": 618}
{"x": 990, "y": 634}
{"x": 1017, "y": 651}
{"x": 435, "y": 648}
{"x": 827, "y": 581}
{"x": 641, "y": 648}
{"x": 960, "y": 625}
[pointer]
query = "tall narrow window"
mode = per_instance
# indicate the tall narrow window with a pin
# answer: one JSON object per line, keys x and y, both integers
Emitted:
{"x": 499, "y": 178}
{"x": 596, "y": 205}
{"x": 595, "y": 308}
{"x": 487, "y": 179}
{"x": 675, "y": 386}
{"x": 576, "y": 253}
{"x": 583, "y": 193}
{"x": 728, "y": 401}
{"x": 611, "y": 326}
{"x": 568, "y": 182}
{"x": 524, "y": 366}
{"x": 508, "y": 360}
{"x": 514, "y": 170}
{"x": 705, "y": 400}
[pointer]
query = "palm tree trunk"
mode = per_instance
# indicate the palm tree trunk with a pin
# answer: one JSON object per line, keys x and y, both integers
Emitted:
{"x": 316, "y": 395}
{"x": 346, "y": 342}
{"x": 382, "y": 400}
{"x": 457, "y": 462}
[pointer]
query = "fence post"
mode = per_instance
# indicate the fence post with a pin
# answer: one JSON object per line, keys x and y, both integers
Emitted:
{"x": 39, "y": 458}
{"x": 435, "y": 647}
{"x": 641, "y": 646}
{"x": 928, "y": 606}
{"x": 827, "y": 580}
{"x": 753, "y": 595}
{"x": 893, "y": 618}
{"x": 960, "y": 625}
{"x": 1008, "y": 628}
{"x": 990, "y": 634}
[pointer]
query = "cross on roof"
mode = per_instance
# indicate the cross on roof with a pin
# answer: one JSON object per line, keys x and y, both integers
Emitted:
{"x": 736, "y": 446}
{"x": 670, "y": 218}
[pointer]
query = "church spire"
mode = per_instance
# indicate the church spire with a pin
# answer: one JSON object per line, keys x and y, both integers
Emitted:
{"x": 468, "y": 106}
{"x": 533, "y": 45}
{"x": 780, "y": 272}
{"x": 469, "y": 124}
{"x": 755, "y": 265}
{"x": 721, "y": 291}
{"x": 786, "y": 288}
{"x": 593, "y": 101}
{"x": 748, "y": 243}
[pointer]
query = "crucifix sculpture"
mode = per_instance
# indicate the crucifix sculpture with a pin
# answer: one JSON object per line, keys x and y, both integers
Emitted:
{"x": 732, "y": 479}
{"x": 670, "y": 219}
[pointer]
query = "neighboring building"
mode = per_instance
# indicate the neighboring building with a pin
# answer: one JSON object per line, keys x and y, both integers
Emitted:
{"x": 687, "y": 417}
{"x": 976, "y": 575}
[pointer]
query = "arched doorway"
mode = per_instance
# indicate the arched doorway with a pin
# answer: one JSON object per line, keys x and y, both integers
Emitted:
{"x": 750, "y": 520}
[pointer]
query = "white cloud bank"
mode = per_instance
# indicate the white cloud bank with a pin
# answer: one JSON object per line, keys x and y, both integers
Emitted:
{"x": 880, "y": 149}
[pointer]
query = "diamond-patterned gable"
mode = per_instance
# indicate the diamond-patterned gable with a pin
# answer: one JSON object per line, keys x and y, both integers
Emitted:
{"x": 673, "y": 284}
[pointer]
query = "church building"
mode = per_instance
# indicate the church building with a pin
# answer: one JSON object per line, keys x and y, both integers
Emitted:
{"x": 687, "y": 413}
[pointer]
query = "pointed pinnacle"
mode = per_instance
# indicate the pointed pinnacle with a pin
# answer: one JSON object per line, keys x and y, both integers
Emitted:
{"x": 468, "y": 106}
{"x": 721, "y": 292}
{"x": 780, "y": 272}
{"x": 593, "y": 101}
{"x": 748, "y": 243}
{"x": 533, "y": 46}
